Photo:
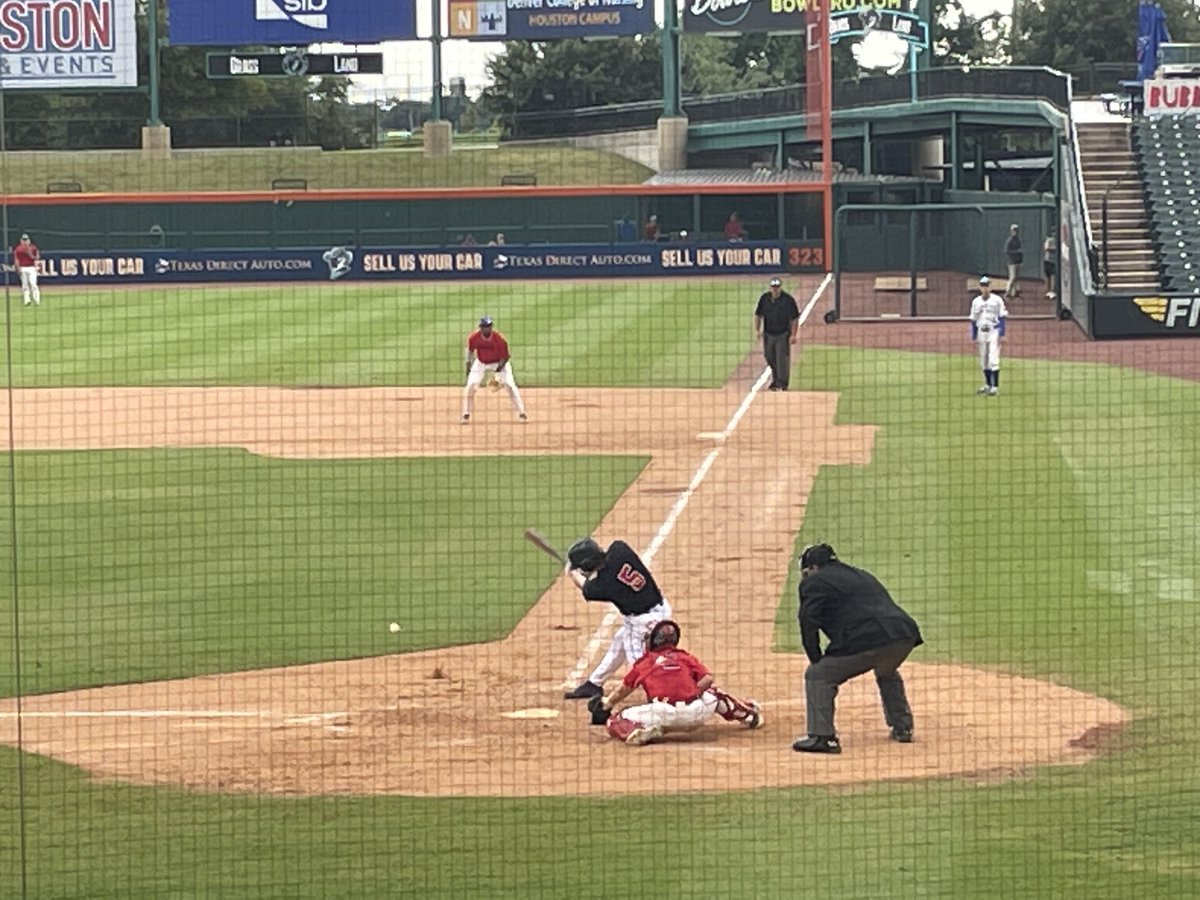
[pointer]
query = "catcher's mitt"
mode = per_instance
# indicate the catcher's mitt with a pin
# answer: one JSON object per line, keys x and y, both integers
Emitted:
{"x": 599, "y": 713}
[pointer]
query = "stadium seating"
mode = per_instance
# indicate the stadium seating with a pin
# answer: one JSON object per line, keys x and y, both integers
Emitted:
{"x": 1167, "y": 150}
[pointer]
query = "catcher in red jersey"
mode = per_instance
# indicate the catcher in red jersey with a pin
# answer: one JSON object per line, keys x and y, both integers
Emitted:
{"x": 680, "y": 690}
{"x": 487, "y": 352}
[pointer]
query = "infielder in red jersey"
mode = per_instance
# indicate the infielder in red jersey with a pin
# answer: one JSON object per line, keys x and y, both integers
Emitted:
{"x": 487, "y": 351}
{"x": 681, "y": 693}
{"x": 25, "y": 257}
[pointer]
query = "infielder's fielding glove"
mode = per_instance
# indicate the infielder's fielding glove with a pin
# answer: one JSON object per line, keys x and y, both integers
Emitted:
{"x": 599, "y": 713}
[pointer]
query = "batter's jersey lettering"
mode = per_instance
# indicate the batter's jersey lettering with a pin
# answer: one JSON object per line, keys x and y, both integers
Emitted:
{"x": 488, "y": 350}
{"x": 669, "y": 675}
{"x": 624, "y": 581}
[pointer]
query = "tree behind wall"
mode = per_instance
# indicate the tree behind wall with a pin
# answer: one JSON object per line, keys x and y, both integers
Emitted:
{"x": 1071, "y": 34}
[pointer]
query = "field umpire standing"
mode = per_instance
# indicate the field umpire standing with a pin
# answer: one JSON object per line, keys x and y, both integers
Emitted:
{"x": 866, "y": 630}
{"x": 776, "y": 321}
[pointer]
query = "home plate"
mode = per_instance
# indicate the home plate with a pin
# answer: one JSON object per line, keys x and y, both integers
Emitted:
{"x": 534, "y": 713}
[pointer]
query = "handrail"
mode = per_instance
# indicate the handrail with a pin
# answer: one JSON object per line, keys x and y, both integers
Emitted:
{"x": 1079, "y": 185}
{"x": 1080, "y": 192}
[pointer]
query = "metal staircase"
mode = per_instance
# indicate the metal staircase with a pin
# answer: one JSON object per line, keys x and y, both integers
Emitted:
{"x": 1110, "y": 177}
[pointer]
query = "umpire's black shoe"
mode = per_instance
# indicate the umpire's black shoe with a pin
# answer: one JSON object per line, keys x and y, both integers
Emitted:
{"x": 585, "y": 691}
{"x": 902, "y": 735}
{"x": 816, "y": 744}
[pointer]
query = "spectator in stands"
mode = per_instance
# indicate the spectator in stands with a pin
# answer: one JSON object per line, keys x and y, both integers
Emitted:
{"x": 498, "y": 240}
{"x": 651, "y": 232}
{"x": 469, "y": 241}
{"x": 1049, "y": 264}
{"x": 733, "y": 228}
{"x": 1012, "y": 251}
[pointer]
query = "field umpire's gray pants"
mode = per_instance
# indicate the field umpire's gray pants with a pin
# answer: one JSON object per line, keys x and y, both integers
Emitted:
{"x": 823, "y": 678}
{"x": 777, "y": 348}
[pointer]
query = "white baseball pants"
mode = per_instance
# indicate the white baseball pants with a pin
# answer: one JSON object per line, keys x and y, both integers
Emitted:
{"x": 504, "y": 378}
{"x": 629, "y": 643}
{"x": 989, "y": 349}
{"x": 673, "y": 716}
{"x": 29, "y": 285}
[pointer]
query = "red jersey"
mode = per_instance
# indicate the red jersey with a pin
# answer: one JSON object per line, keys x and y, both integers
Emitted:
{"x": 488, "y": 350}
{"x": 669, "y": 674}
{"x": 734, "y": 230}
{"x": 25, "y": 255}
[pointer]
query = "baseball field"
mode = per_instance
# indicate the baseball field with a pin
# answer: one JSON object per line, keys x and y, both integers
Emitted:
{"x": 220, "y": 498}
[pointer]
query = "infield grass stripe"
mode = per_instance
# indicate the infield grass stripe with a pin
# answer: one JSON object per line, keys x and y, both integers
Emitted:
{"x": 141, "y": 565}
{"x": 627, "y": 333}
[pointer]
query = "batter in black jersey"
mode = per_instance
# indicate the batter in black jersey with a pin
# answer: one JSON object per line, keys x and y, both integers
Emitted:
{"x": 624, "y": 581}
{"x": 617, "y": 576}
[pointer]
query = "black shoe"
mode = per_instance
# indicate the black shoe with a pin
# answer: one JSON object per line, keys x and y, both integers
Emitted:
{"x": 902, "y": 735}
{"x": 585, "y": 691}
{"x": 816, "y": 744}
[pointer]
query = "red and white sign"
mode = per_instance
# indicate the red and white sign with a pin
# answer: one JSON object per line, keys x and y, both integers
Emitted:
{"x": 67, "y": 44}
{"x": 1171, "y": 96}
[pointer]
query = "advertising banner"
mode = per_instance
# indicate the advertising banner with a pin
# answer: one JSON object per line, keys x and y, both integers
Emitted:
{"x": 540, "y": 20}
{"x": 847, "y": 18}
{"x": 290, "y": 23}
{"x": 349, "y": 263}
{"x": 67, "y": 44}
{"x": 1174, "y": 96}
{"x": 1120, "y": 317}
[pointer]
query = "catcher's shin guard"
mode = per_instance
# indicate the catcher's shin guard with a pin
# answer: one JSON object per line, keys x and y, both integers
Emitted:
{"x": 731, "y": 709}
{"x": 621, "y": 728}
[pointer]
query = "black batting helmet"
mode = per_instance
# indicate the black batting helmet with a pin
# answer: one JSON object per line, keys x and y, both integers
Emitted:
{"x": 664, "y": 634}
{"x": 585, "y": 554}
{"x": 816, "y": 555}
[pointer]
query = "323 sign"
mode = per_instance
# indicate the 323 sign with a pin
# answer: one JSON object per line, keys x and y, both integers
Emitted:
{"x": 806, "y": 257}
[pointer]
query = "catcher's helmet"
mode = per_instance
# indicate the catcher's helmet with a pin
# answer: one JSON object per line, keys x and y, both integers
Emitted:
{"x": 664, "y": 634}
{"x": 585, "y": 554}
{"x": 816, "y": 555}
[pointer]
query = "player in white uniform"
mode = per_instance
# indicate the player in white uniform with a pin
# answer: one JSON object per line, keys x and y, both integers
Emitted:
{"x": 988, "y": 316}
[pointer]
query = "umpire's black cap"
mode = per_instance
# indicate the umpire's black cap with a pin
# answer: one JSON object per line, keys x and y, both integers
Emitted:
{"x": 817, "y": 555}
{"x": 775, "y": 282}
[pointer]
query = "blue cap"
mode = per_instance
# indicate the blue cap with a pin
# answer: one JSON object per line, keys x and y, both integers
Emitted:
{"x": 486, "y": 320}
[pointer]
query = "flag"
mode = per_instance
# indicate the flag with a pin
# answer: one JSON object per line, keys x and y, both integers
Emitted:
{"x": 1152, "y": 31}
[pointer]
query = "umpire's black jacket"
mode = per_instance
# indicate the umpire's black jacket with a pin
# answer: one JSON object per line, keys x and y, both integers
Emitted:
{"x": 853, "y": 609}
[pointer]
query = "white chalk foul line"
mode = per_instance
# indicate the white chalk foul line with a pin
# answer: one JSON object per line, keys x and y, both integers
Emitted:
{"x": 171, "y": 714}
{"x": 602, "y": 632}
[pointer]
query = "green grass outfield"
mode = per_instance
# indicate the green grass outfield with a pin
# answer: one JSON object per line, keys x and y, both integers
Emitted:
{"x": 1050, "y": 532}
{"x": 663, "y": 332}
{"x": 121, "y": 171}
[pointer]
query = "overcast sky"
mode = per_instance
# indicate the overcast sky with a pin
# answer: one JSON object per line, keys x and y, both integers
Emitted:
{"x": 408, "y": 65}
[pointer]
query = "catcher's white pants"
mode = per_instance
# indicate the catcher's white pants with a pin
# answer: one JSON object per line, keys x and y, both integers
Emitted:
{"x": 673, "y": 716}
{"x": 29, "y": 285}
{"x": 629, "y": 643}
{"x": 989, "y": 349}
{"x": 504, "y": 378}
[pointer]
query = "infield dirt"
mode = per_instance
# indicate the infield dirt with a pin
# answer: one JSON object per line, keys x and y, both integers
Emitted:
{"x": 440, "y": 722}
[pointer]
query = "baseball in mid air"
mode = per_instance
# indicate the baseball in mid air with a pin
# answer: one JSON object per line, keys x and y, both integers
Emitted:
{"x": 394, "y": 627}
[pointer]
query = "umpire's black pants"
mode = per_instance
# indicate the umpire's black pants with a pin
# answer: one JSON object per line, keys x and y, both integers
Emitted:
{"x": 777, "y": 348}
{"x": 824, "y": 677}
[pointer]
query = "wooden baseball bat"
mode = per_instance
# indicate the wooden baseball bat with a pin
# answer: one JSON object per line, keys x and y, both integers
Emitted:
{"x": 534, "y": 537}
